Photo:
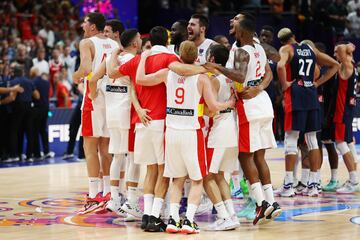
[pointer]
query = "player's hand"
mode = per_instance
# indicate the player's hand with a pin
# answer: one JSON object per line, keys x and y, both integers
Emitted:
{"x": 287, "y": 85}
{"x": 316, "y": 84}
{"x": 17, "y": 88}
{"x": 145, "y": 53}
{"x": 249, "y": 92}
{"x": 118, "y": 50}
{"x": 211, "y": 67}
{"x": 144, "y": 118}
{"x": 232, "y": 101}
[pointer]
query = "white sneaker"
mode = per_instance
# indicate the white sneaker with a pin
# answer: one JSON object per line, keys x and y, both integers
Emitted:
{"x": 286, "y": 190}
{"x": 115, "y": 207}
{"x": 235, "y": 219}
{"x": 130, "y": 218}
{"x": 132, "y": 209}
{"x": 347, "y": 188}
{"x": 221, "y": 224}
{"x": 204, "y": 206}
{"x": 49, "y": 155}
{"x": 312, "y": 190}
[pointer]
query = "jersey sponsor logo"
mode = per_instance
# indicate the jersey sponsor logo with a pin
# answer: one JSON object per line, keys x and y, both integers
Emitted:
{"x": 352, "y": 101}
{"x": 107, "y": 46}
{"x": 116, "y": 89}
{"x": 303, "y": 52}
{"x": 253, "y": 83}
{"x": 201, "y": 52}
{"x": 305, "y": 83}
{"x": 226, "y": 110}
{"x": 180, "y": 112}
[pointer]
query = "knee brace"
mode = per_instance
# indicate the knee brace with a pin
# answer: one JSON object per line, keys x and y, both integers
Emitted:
{"x": 342, "y": 147}
{"x": 311, "y": 141}
{"x": 132, "y": 173}
{"x": 115, "y": 166}
{"x": 291, "y": 138}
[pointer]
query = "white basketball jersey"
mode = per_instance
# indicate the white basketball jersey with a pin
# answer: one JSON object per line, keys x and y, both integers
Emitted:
{"x": 259, "y": 107}
{"x": 117, "y": 97}
{"x": 223, "y": 133}
{"x": 202, "y": 49}
{"x": 103, "y": 48}
{"x": 171, "y": 48}
{"x": 183, "y": 98}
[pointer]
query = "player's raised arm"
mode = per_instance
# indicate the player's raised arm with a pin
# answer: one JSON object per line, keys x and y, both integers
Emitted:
{"x": 281, "y": 69}
{"x": 325, "y": 60}
{"x": 85, "y": 60}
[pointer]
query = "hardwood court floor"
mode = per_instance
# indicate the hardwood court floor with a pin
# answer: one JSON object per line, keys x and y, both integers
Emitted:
{"x": 38, "y": 202}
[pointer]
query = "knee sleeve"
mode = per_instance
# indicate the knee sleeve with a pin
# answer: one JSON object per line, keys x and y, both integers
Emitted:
{"x": 132, "y": 173}
{"x": 342, "y": 147}
{"x": 291, "y": 138}
{"x": 311, "y": 140}
{"x": 115, "y": 166}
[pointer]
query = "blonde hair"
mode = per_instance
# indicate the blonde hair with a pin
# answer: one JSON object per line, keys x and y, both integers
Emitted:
{"x": 188, "y": 52}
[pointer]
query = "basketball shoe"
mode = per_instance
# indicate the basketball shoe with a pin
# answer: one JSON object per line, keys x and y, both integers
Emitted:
{"x": 300, "y": 188}
{"x": 286, "y": 190}
{"x": 173, "y": 226}
{"x": 331, "y": 186}
{"x": 155, "y": 225}
{"x": 347, "y": 188}
{"x": 276, "y": 212}
{"x": 262, "y": 212}
{"x": 221, "y": 224}
{"x": 132, "y": 208}
{"x": 91, "y": 204}
{"x": 189, "y": 227}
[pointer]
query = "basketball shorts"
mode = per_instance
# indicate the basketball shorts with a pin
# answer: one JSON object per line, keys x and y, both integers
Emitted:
{"x": 303, "y": 121}
{"x": 185, "y": 154}
{"x": 149, "y": 143}
{"x": 342, "y": 132}
{"x": 255, "y": 135}
{"x": 93, "y": 123}
{"x": 118, "y": 140}
{"x": 131, "y": 139}
{"x": 222, "y": 159}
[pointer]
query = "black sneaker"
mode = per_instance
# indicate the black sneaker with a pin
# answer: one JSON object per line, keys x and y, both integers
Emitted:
{"x": 173, "y": 226}
{"x": 155, "y": 225}
{"x": 262, "y": 212}
{"x": 189, "y": 227}
{"x": 144, "y": 221}
{"x": 299, "y": 189}
{"x": 276, "y": 212}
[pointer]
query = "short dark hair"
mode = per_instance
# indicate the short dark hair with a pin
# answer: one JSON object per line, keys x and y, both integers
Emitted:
{"x": 220, "y": 54}
{"x": 98, "y": 19}
{"x": 268, "y": 28}
{"x": 183, "y": 23}
{"x": 217, "y": 38}
{"x": 144, "y": 40}
{"x": 203, "y": 21}
{"x": 18, "y": 70}
{"x": 158, "y": 36}
{"x": 127, "y": 37}
{"x": 248, "y": 15}
{"x": 248, "y": 25}
{"x": 116, "y": 25}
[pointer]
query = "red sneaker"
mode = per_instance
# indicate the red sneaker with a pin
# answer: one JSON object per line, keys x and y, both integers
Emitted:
{"x": 103, "y": 203}
{"x": 91, "y": 204}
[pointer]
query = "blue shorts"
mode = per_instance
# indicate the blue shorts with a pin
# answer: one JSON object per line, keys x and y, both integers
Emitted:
{"x": 303, "y": 121}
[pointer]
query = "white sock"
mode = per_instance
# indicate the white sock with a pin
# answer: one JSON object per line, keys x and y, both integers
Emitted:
{"x": 148, "y": 203}
{"x": 251, "y": 194}
{"x": 132, "y": 195}
{"x": 230, "y": 206}
{"x": 221, "y": 210}
{"x": 236, "y": 181}
{"x": 334, "y": 173}
{"x": 122, "y": 185}
{"x": 312, "y": 177}
{"x": 115, "y": 194}
{"x": 190, "y": 212}
{"x": 305, "y": 175}
{"x": 93, "y": 186}
{"x": 174, "y": 211}
{"x": 106, "y": 184}
{"x": 100, "y": 187}
{"x": 353, "y": 177}
{"x": 269, "y": 193}
{"x": 289, "y": 177}
{"x": 187, "y": 186}
{"x": 258, "y": 193}
{"x": 156, "y": 208}
{"x": 318, "y": 176}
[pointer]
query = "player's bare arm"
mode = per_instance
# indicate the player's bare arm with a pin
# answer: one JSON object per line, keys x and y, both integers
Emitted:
{"x": 210, "y": 98}
{"x": 16, "y": 88}
{"x": 183, "y": 69}
{"x": 85, "y": 60}
{"x": 142, "y": 112}
{"x": 325, "y": 60}
{"x": 98, "y": 74}
{"x": 114, "y": 65}
{"x": 149, "y": 79}
{"x": 281, "y": 69}
{"x": 271, "y": 52}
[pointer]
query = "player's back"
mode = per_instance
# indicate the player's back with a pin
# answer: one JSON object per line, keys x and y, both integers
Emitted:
{"x": 183, "y": 99}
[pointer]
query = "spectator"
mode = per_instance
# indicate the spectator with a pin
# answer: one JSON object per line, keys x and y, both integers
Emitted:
{"x": 62, "y": 93}
{"x": 40, "y": 63}
{"x": 47, "y": 35}
{"x": 352, "y": 5}
{"x": 146, "y": 44}
{"x": 337, "y": 13}
{"x": 23, "y": 58}
{"x": 55, "y": 64}
{"x": 69, "y": 62}
{"x": 353, "y": 24}
{"x": 221, "y": 39}
{"x": 41, "y": 109}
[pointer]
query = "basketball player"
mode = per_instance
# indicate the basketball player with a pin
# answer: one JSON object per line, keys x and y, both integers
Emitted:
{"x": 255, "y": 116}
{"x": 153, "y": 99}
{"x": 347, "y": 78}
{"x": 185, "y": 145}
{"x": 178, "y": 34}
{"x": 221, "y": 143}
{"x": 93, "y": 50}
{"x": 302, "y": 109}
{"x": 118, "y": 114}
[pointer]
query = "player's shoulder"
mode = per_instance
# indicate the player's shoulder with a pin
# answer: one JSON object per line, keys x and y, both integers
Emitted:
{"x": 85, "y": 42}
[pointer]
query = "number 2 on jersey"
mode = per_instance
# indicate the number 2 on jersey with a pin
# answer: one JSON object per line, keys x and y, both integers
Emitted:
{"x": 180, "y": 94}
{"x": 302, "y": 63}
{"x": 258, "y": 73}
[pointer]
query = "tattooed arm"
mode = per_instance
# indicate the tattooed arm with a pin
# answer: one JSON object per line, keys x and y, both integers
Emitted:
{"x": 271, "y": 52}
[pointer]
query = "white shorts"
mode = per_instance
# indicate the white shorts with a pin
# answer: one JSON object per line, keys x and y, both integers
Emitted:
{"x": 185, "y": 154}
{"x": 93, "y": 123}
{"x": 256, "y": 135}
{"x": 222, "y": 159}
{"x": 149, "y": 143}
{"x": 119, "y": 139}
